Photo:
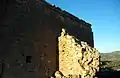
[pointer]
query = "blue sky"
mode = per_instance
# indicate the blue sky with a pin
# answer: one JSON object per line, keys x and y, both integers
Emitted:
{"x": 104, "y": 15}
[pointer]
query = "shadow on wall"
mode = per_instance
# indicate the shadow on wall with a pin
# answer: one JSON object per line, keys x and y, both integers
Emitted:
{"x": 79, "y": 33}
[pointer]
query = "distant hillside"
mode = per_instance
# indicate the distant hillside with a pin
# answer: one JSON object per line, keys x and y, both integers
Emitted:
{"x": 113, "y": 56}
{"x": 111, "y": 60}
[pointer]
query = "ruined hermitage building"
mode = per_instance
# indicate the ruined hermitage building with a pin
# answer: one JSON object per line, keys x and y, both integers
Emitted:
{"x": 30, "y": 31}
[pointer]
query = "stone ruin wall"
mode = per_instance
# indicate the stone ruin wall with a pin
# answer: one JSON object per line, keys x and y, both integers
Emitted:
{"x": 76, "y": 58}
{"x": 29, "y": 43}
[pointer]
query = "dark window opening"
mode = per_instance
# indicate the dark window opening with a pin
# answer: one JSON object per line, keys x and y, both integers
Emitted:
{"x": 28, "y": 59}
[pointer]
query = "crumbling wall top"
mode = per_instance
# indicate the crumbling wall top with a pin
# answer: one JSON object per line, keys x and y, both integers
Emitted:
{"x": 66, "y": 14}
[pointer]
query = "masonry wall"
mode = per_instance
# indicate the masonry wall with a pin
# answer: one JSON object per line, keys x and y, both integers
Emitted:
{"x": 29, "y": 32}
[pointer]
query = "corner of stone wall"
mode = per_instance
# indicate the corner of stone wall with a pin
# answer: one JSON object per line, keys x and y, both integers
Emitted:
{"x": 76, "y": 60}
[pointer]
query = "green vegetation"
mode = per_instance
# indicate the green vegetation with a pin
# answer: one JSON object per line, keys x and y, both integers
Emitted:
{"x": 110, "y": 60}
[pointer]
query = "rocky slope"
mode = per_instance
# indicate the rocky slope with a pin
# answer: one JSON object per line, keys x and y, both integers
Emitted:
{"x": 111, "y": 60}
{"x": 110, "y": 65}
